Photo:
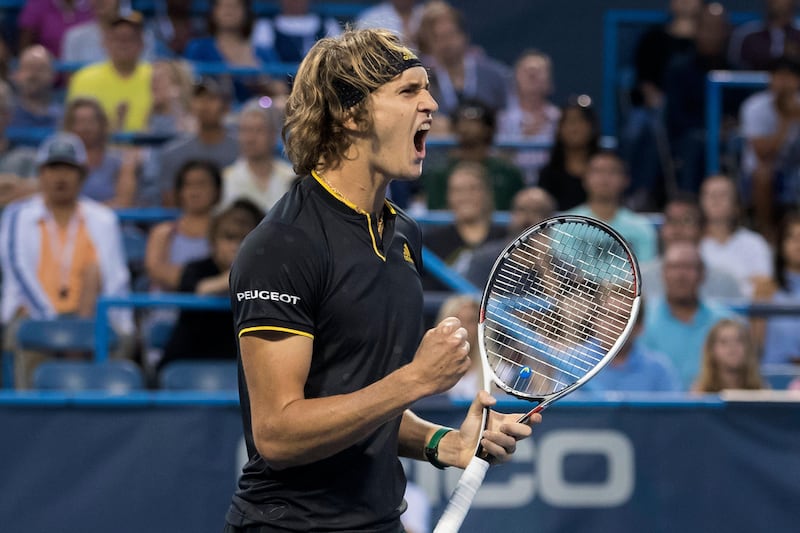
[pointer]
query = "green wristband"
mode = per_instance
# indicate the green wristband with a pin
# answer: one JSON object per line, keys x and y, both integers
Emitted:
{"x": 432, "y": 449}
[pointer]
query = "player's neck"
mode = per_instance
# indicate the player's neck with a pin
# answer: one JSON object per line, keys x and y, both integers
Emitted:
{"x": 366, "y": 190}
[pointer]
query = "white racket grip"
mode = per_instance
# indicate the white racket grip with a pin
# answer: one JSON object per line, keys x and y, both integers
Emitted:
{"x": 461, "y": 500}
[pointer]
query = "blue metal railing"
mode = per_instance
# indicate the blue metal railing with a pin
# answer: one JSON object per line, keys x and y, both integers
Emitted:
{"x": 716, "y": 82}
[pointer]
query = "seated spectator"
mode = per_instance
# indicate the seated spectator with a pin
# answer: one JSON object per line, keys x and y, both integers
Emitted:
{"x": 576, "y": 141}
{"x": 230, "y": 28}
{"x": 726, "y": 244}
{"x": 467, "y": 309}
{"x": 174, "y": 25}
{"x": 677, "y": 324}
{"x": 35, "y": 105}
{"x": 770, "y": 124}
{"x": 290, "y": 34}
{"x": 121, "y": 84}
{"x": 529, "y": 115}
{"x": 605, "y": 181}
{"x": 530, "y": 206}
{"x": 757, "y": 45}
{"x": 458, "y": 72}
{"x": 171, "y": 85}
{"x": 685, "y": 105}
{"x": 207, "y": 334}
{"x": 782, "y": 333}
{"x": 474, "y": 127}
{"x": 212, "y": 141}
{"x": 683, "y": 222}
{"x": 111, "y": 173}
{"x": 399, "y": 16}
{"x": 60, "y": 251}
{"x": 257, "y": 174}
{"x": 469, "y": 197}
{"x": 17, "y": 166}
{"x": 85, "y": 42}
{"x": 635, "y": 368}
{"x": 730, "y": 360}
{"x": 172, "y": 244}
{"x": 45, "y": 22}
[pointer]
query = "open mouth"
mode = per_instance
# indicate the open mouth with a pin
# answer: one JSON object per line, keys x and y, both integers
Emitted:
{"x": 419, "y": 138}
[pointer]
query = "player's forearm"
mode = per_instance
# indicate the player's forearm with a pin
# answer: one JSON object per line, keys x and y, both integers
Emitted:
{"x": 308, "y": 430}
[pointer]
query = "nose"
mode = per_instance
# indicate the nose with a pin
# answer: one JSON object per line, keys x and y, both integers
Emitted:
{"x": 428, "y": 104}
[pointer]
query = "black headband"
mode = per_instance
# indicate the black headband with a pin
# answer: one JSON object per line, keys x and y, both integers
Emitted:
{"x": 396, "y": 62}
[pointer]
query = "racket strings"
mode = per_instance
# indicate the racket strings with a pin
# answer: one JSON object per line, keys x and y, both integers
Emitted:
{"x": 559, "y": 300}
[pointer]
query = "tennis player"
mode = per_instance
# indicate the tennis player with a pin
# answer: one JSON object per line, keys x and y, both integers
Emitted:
{"x": 327, "y": 304}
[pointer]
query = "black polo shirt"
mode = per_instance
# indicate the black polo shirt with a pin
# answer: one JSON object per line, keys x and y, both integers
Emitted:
{"x": 318, "y": 268}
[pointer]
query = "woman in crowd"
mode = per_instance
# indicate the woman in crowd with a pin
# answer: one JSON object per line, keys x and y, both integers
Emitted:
{"x": 729, "y": 360}
{"x": 172, "y": 244}
{"x": 172, "y": 91}
{"x": 782, "y": 333}
{"x": 466, "y": 308}
{"x": 112, "y": 173}
{"x": 577, "y": 140}
{"x": 257, "y": 174}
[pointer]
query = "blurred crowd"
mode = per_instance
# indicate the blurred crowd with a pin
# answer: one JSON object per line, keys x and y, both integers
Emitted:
{"x": 499, "y": 145}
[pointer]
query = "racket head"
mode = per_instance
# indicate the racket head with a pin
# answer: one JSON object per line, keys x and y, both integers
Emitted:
{"x": 561, "y": 300}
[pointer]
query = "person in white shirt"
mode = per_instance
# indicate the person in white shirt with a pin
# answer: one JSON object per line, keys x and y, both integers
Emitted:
{"x": 399, "y": 16}
{"x": 257, "y": 174}
{"x": 726, "y": 244}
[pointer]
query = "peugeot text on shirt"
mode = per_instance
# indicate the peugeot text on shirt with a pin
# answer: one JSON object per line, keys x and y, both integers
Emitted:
{"x": 267, "y": 295}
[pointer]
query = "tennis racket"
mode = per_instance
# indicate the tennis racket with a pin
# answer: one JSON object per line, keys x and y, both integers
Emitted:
{"x": 560, "y": 302}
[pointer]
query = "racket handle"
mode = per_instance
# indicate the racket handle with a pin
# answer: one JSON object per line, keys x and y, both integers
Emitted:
{"x": 461, "y": 500}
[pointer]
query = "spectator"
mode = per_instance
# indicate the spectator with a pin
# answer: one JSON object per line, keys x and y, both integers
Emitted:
{"x": 289, "y": 35}
{"x": 60, "y": 251}
{"x": 121, "y": 84}
{"x": 209, "y": 105}
{"x": 469, "y": 197}
{"x": 172, "y": 92}
{"x": 726, "y": 244}
{"x": 635, "y": 368}
{"x": 474, "y": 126}
{"x": 677, "y": 324}
{"x": 685, "y": 103}
{"x": 257, "y": 174}
{"x": 45, "y": 22}
{"x": 465, "y": 308}
{"x": 174, "y": 26}
{"x": 172, "y": 244}
{"x": 400, "y": 16}
{"x": 730, "y": 360}
{"x": 530, "y": 206}
{"x": 770, "y": 124}
{"x": 207, "y": 334}
{"x": 759, "y": 44}
{"x": 683, "y": 221}
{"x": 577, "y": 140}
{"x": 230, "y": 28}
{"x": 782, "y": 335}
{"x": 529, "y": 115}
{"x": 17, "y": 164}
{"x": 457, "y": 71}
{"x": 33, "y": 79}
{"x": 85, "y": 43}
{"x": 111, "y": 174}
{"x": 604, "y": 181}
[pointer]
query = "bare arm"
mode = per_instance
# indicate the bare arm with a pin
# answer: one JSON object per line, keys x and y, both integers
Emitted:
{"x": 291, "y": 430}
{"x": 125, "y": 194}
{"x": 156, "y": 258}
{"x": 214, "y": 285}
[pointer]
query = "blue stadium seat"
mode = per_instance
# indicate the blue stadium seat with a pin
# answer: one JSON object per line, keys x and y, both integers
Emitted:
{"x": 116, "y": 376}
{"x": 200, "y": 375}
{"x": 159, "y": 334}
{"x": 134, "y": 241}
{"x": 58, "y": 334}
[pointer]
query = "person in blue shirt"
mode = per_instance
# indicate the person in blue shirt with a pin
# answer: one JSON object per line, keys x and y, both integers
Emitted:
{"x": 636, "y": 368}
{"x": 677, "y": 324}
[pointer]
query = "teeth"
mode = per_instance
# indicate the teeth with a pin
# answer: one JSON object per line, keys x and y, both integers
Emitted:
{"x": 424, "y": 127}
